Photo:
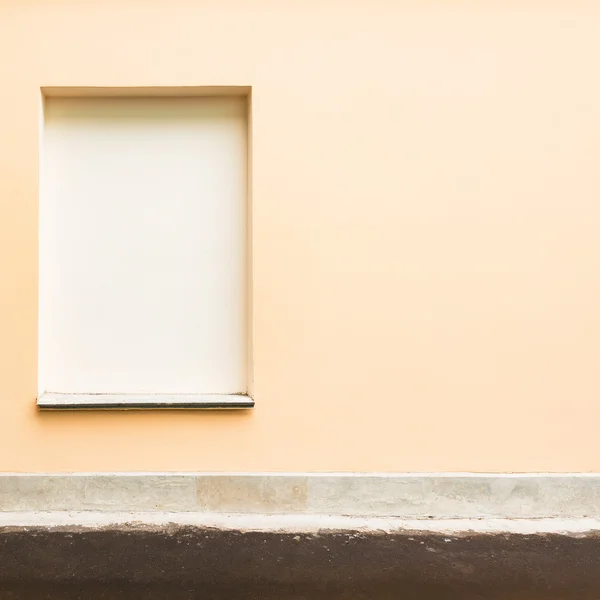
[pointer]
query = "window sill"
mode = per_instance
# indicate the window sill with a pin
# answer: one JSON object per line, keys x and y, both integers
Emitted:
{"x": 51, "y": 401}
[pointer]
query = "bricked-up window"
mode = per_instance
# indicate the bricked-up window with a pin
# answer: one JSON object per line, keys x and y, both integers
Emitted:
{"x": 143, "y": 247}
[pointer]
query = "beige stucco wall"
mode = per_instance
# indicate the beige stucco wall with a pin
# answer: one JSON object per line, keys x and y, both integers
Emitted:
{"x": 426, "y": 248}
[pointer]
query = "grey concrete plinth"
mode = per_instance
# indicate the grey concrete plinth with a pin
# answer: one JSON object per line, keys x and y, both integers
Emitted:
{"x": 176, "y": 561}
{"x": 300, "y": 536}
{"x": 529, "y": 496}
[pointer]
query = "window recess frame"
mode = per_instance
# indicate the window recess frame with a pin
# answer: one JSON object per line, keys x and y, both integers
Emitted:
{"x": 50, "y": 401}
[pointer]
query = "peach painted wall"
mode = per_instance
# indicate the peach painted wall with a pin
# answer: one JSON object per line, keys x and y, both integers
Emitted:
{"x": 426, "y": 214}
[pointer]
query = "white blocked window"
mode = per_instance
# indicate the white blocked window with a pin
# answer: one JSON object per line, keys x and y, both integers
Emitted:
{"x": 143, "y": 251}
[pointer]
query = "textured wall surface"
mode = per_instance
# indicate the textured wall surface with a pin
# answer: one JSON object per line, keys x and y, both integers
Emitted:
{"x": 425, "y": 249}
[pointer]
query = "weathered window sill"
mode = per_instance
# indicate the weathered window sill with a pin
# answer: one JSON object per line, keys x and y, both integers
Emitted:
{"x": 51, "y": 401}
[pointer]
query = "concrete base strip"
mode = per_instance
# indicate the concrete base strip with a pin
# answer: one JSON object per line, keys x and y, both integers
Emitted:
{"x": 293, "y": 524}
{"x": 409, "y": 496}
